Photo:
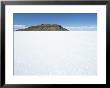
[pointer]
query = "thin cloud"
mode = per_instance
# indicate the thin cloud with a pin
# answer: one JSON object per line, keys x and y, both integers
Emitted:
{"x": 82, "y": 28}
{"x": 16, "y": 27}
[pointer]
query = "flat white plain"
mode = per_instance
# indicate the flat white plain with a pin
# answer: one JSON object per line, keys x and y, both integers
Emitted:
{"x": 55, "y": 53}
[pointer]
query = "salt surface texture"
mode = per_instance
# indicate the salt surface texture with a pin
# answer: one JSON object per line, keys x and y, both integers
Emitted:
{"x": 55, "y": 53}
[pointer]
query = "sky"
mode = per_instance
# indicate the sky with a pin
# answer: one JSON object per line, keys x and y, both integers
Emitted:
{"x": 71, "y": 21}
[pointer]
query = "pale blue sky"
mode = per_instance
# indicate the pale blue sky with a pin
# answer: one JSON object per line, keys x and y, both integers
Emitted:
{"x": 72, "y": 20}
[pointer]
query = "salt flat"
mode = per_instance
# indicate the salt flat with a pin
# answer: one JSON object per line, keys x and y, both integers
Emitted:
{"x": 55, "y": 53}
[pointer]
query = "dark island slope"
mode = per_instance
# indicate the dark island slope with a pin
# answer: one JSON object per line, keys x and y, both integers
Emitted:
{"x": 45, "y": 27}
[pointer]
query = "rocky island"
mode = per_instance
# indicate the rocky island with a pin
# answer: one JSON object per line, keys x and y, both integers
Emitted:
{"x": 44, "y": 27}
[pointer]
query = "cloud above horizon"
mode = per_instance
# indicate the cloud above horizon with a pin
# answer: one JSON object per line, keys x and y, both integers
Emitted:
{"x": 16, "y": 27}
{"x": 82, "y": 28}
{"x": 71, "y": 28}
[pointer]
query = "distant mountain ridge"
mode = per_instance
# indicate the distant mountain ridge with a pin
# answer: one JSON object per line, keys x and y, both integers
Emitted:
{"x": 44, "y": 27}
